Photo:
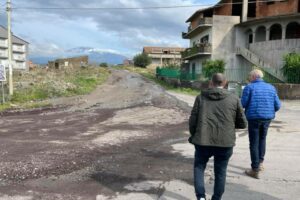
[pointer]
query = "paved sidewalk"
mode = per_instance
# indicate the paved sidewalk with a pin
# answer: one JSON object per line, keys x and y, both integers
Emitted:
{"x": 281, "y": 179}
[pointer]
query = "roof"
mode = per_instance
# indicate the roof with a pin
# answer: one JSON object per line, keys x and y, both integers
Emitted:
{"x": 149, "y": 49}
{"x": 202, "y": 10}
{"x": 15, "y": 39}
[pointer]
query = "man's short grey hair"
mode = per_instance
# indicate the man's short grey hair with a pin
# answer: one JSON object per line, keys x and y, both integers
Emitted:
{"x": 256, "y": 73}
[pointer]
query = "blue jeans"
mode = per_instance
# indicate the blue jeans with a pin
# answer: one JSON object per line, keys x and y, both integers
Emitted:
{"x": 258, "y": 130}
{"x": 221, "y": 158}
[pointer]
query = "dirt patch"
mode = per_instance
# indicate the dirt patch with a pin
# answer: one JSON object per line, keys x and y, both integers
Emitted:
{"x": 118, "y": 137}
{"x": 147, "y": 115}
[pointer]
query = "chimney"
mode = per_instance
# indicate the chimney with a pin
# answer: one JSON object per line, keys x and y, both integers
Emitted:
{"x": 245, "y": 10}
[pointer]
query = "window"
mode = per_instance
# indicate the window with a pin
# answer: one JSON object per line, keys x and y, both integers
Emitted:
{"x": 269, "y": 2}
{"x": 205, "y": 39}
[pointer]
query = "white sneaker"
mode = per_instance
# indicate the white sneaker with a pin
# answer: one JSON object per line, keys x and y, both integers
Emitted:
{"x": 202, "y": 199}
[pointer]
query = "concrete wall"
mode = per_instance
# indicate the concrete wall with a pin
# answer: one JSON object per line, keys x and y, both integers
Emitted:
{"x": 273, "y": 51}
{"x": 223, "y": 38}
{"x": 277, "y": 8}
{"x": 288, "y": 91}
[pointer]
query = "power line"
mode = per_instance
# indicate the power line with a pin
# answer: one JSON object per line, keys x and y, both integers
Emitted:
{"x": 137, "y": 8}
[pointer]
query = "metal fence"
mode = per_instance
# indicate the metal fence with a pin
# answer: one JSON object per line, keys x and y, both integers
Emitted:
{"x": 175, "y": 73}
{"x": 239, "y": 75}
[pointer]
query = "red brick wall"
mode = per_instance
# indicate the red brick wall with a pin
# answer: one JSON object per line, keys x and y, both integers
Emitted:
{"x": 225, "y": 9}
{"x": 277, "y": 8}
{"x": 195, "y": 21}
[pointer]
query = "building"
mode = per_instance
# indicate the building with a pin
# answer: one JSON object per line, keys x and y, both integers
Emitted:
{"x": 128, "y": 62}
{"x": 164, "y": 55}
{"x": 64, "y": 63}
{"x": 19, "y": 50}
{"x": 243, "y": 33}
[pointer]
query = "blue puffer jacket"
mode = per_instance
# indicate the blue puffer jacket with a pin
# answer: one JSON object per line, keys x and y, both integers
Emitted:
{"x": 260, "y": 100}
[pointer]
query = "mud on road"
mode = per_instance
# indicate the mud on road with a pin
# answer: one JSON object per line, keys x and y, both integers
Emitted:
{"x": 120, "y": 134}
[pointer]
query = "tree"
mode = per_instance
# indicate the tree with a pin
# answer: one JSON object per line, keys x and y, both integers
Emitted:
{"x": 291, "y": 68}
{"x": 142, "y": 60}
{"x": 211, "y": 67}
{"x": 103, "y": 65}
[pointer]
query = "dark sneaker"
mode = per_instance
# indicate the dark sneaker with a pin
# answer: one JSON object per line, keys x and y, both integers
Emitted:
{"x": 252, "y": 173}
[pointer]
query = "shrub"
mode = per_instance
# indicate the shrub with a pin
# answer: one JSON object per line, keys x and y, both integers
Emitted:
{"x": 211, "y": 67}
{"x": 142, "y": 60}
{"x": 291, "y": 67}
{"x": 103, "y": 65}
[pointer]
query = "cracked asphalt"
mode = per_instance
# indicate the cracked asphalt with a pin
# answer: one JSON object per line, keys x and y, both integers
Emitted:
{"x": 128, "y": 140}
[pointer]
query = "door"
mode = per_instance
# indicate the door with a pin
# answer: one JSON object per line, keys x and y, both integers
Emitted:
{"x": 193, "y": 70}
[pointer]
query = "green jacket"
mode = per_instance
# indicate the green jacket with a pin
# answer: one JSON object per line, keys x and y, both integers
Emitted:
{"x": 215, "y": 116}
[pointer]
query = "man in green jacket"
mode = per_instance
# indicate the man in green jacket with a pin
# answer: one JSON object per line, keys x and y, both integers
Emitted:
{"x": 215, "y": 116}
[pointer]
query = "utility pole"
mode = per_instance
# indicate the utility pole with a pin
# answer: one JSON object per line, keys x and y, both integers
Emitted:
{"x": 10, "y": 68}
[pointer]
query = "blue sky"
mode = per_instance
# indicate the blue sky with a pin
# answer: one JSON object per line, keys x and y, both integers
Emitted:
{"x": 52, "y": 32}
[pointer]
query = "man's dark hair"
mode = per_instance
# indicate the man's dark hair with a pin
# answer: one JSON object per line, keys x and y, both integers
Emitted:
{"x": 218, "y": 79}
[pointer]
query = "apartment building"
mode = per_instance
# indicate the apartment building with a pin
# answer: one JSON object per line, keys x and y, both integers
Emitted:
{"x": 19, "y": 50}
{"x": 161, "y": 56}
{"x": 243, "y": 33}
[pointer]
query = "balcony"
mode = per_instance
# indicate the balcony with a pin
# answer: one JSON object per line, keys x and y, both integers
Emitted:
{"x": 3, "y": 44}
{"x": 198, "y": 50}
{"x": 19, "y": 57}
{"x": 18, "y": 48}
{"x": 3, "y": 54}
{"x": 202, "y": 25}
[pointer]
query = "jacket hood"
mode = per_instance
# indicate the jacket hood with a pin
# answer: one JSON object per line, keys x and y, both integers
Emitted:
{"x": 216, "y": 93}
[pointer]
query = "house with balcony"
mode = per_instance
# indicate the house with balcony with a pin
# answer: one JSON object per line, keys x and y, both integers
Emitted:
{"x": 244, "y": 34}
{"x": 19, "y": 50}
{"x": 161, "y": 56}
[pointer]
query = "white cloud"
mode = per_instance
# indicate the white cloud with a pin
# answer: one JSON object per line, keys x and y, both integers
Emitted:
{"x": 124, "y": 31}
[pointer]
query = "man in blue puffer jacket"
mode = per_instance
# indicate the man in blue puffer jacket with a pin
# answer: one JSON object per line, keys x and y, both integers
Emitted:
{"x": 260, "y": 101}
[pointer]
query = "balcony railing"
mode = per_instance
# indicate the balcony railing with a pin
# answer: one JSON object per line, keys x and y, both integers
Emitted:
{"x": 201, "y": 22}
{"x": 203, "y": 48}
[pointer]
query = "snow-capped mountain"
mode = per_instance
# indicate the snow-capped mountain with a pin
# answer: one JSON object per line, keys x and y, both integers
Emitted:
{"x": 95, "y": 55}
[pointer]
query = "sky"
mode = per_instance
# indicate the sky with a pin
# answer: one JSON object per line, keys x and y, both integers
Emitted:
{"x": 53, "y": 32}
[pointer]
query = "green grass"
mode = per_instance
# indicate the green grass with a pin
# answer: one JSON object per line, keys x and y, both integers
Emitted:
{"x": 5, "y": 106}
{"x": 150, "y": 74}
{"x": 51, "y": 84}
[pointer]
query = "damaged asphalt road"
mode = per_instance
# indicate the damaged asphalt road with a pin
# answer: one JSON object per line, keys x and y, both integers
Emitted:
{"x": 128, "y": 141}
{"x": 113, "y": 137}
